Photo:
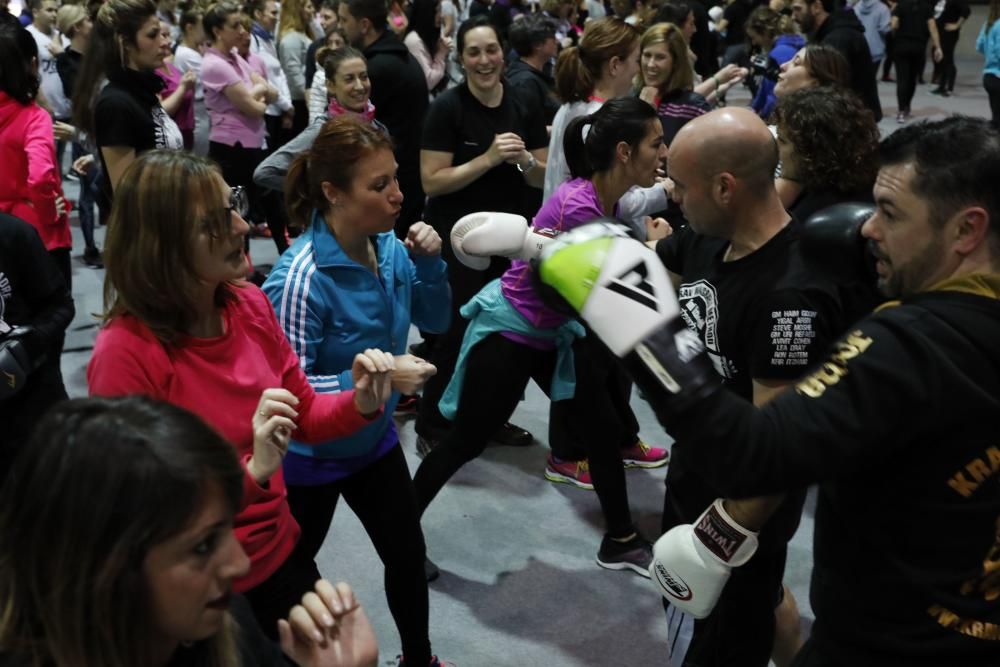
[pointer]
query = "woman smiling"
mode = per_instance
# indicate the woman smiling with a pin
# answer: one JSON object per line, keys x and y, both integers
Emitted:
{"x": 481, "y": 151}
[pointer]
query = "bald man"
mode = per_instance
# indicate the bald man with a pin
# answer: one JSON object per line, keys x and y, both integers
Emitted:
{"x": 764, "y": 318}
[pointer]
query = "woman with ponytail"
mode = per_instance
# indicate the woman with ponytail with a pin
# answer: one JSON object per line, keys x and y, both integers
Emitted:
{"x": 513, "y": 336}
{"x": 125, "y": 117}
{"x": 348, "y": 284}
{"x": 601, "y": 68}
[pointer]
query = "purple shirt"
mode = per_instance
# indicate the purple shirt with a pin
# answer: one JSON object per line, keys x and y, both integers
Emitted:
{"x": 574, "y": 203}
{"x": 312, "y": 471}
{"x": 184, "y": 116}
{"x": 229, "y": 125}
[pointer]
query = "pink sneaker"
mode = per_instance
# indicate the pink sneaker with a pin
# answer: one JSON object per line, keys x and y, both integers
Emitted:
{"x": 576, "y": 473}
{"x": 642, "y": 455}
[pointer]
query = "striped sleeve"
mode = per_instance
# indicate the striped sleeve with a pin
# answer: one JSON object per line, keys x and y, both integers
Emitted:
{"x": 300, "y": 315}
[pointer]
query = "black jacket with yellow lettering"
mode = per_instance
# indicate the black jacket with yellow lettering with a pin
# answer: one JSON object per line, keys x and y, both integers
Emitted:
{"x": 901, "y": 429}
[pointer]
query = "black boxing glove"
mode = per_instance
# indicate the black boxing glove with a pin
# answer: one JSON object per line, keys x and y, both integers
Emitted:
{"x": 831, "y": 238}
{"x": 15, "y": 362}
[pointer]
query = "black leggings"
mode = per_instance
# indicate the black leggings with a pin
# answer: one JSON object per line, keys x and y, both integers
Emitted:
{"x": 992, "y": 85}
{"x": 947, "y": 69}
{"x": 465, "y": 283}
{"x": 890, "y": 48}
{"x": 383, "y": 498}
{"x": 566, "y": 437}
{"x": 909, "y": 64}
{"x": 496, "y": 373}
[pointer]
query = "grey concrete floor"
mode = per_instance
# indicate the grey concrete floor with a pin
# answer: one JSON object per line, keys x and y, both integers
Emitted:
{"x": 519, "y": 585}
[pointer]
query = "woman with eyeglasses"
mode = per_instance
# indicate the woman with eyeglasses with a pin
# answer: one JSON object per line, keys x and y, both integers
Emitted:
{"x": 180, "y": 325}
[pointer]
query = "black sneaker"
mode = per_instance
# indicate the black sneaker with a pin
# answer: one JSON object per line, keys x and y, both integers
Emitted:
{"x": 635, "y": 555}
{"x": 407, "y": 406}
{"x": 510, "y": 435}
{"x": 92, "y": 257}
{"x": 431, "y": 570}
{"x": 426, "y": 444}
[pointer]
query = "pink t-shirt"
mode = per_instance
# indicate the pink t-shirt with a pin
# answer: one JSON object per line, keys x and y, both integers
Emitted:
{"x": 184, "y": 117}
{"x": 229, "y": 125}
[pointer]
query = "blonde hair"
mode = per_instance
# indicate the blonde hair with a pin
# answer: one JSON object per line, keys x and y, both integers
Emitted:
{"x": 292, "y": 18}
{"x": 579, "y": 67}
{"x": 164, "y": 200}
{"x": 681, "y": 73}
{"x": 68, "y": 18}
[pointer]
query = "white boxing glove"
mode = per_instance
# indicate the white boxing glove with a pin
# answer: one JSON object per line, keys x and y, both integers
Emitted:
{"x": 691, "y": 563}
{"x": 478, "y": 236}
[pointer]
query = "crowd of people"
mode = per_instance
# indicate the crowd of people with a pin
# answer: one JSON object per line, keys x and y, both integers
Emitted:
{"x": 435, "y": 165}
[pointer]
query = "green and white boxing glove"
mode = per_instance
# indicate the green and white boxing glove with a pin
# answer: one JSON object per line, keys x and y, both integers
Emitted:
{"x": 621, "y": 289}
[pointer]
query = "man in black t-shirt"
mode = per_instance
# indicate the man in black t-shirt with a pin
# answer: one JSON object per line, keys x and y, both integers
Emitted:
{"x": 34, "y": 295}
{"x": 897, "y": 425}
{"x": 399, "y": 93}
{"x": 764, "y": 318}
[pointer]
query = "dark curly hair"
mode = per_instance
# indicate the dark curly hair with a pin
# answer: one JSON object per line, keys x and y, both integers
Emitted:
{"x": 834, "y": 136}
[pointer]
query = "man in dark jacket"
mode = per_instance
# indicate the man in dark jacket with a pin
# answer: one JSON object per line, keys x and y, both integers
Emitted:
{"x": 533, "y": 39}
{"x": 842, "y": 30}
{"x": 399, "y": 93}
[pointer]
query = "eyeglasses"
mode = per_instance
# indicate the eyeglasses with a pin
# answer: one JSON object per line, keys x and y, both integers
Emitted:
{"x": 238, "y": 202}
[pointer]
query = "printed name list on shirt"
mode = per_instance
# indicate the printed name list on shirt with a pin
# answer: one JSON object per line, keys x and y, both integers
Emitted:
{"x": 792, "y": 333}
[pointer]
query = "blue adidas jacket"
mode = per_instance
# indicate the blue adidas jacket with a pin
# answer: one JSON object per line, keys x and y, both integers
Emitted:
{"x": 331, "y": 308}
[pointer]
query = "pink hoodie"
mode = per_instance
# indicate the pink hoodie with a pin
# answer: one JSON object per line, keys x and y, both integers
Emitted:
{"x": 30, "y": 177}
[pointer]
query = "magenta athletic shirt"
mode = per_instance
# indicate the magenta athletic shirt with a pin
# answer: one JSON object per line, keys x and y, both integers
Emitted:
{"x": 574, "y": 203}
{"x": 185, "y": 112}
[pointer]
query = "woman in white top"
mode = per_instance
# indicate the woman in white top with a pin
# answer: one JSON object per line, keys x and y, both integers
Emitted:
{"x": 602, "y": 67}
{"x": 187, "y": 58}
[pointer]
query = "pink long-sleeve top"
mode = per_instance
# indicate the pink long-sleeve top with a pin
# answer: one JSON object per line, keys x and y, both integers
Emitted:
{"x": 30, "y": 179}
{"x": 221, "y": 379}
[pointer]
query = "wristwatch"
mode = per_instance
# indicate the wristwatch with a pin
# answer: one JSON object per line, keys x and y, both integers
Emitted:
{"x": 532, "y": 163}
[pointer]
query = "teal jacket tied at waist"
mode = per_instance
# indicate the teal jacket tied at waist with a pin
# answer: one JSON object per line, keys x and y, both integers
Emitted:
{"x": 490, "y": 313}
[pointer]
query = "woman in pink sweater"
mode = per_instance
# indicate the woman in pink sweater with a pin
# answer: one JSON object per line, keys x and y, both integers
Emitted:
{"x": 30, "y": 188}
{"x": 182, "y": 326}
